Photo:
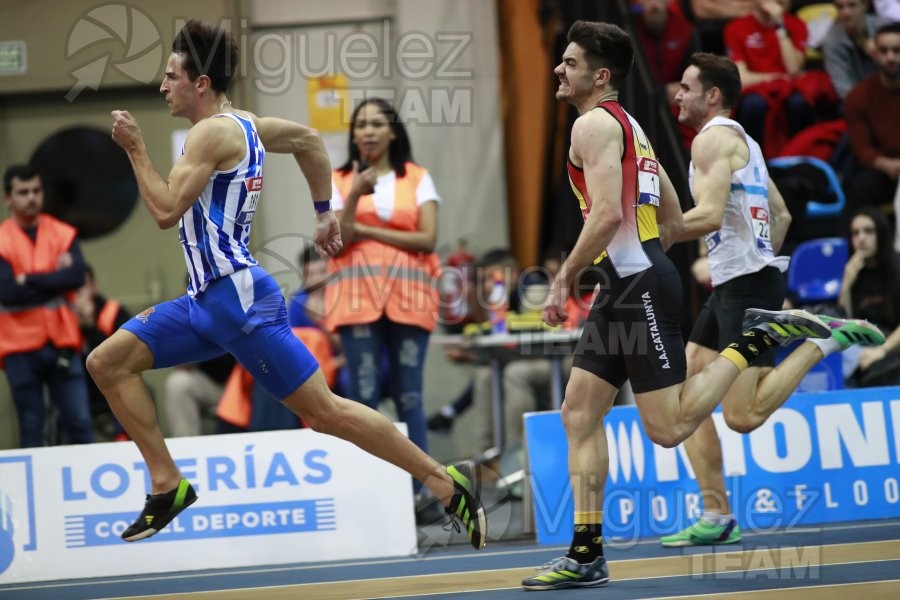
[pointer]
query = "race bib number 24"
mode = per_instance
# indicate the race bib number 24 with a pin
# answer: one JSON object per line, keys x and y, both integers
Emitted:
{"x": 759, "y": 216}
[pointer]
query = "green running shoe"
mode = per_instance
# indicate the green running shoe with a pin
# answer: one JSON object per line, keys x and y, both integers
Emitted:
{"x": 159, "y": 510}
{"x": 848, "y": 332}
{"x": 702, "y": 533}
{"x": 786, "y": 326}
{"x": 564, "y": 572}
{"x": 465, "y": 504}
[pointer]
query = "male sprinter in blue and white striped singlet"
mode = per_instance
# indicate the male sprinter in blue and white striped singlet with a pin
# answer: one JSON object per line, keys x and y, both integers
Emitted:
{"x": 631, "y": 215}
{"x": 233, "y": 305}
{"x": 744, "y": 220}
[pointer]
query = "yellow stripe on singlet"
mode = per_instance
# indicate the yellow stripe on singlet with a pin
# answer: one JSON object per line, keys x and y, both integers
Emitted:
{"x": 646, "y": 213}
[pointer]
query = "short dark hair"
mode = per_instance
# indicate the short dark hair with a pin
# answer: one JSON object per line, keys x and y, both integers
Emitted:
{"x": 497, "y": 256}
{"x": 399, "y": 150}
{"x": 888, "y": 28}
{"x": 209, "y": 51}
{"x": 717, "y": 71}
{"x": 605, "y": 45}
{"x": 23, "y": 172}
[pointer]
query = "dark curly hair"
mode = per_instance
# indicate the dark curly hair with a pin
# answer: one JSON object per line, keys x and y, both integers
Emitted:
{"x": 209, "y": 51}
{"x": 605, "y": 45}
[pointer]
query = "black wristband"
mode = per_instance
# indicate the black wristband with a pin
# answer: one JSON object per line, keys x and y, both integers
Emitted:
{"x": 322, "y": 206}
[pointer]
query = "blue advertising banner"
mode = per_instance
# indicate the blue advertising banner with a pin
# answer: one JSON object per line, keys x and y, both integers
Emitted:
{"x": 209, "y": 522}
{"x": 824, "y": 457}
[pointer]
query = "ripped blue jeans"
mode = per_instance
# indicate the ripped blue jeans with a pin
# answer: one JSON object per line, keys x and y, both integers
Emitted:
{"x": 405, "y": 346}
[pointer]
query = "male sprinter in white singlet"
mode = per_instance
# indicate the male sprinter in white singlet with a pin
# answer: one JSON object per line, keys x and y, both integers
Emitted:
{"x": 744, "y": 219}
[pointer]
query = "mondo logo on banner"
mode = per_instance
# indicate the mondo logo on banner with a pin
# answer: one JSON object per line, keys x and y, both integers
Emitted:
{"x": 289, "y": 496}
{"x": 822, "y": 457}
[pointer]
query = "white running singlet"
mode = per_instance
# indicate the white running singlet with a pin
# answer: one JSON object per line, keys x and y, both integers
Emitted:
{"x": 742, "y": 245}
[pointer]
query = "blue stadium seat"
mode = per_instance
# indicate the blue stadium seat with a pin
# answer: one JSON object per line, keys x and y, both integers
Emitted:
{"x": 816, "y": 271}
{"x": 817, "y": 207}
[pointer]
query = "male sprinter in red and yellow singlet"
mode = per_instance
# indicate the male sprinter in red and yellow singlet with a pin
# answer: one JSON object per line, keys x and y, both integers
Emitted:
{"x": 632, "y": 215}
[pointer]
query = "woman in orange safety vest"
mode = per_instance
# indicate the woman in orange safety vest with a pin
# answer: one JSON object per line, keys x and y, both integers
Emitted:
{"x": 383, "y": 296}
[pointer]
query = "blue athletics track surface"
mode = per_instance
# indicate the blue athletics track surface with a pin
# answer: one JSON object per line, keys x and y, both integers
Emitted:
{"x": 851, "y": 560}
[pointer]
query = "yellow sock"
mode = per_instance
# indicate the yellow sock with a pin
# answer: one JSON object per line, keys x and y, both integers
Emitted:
{"x": 735, "y": 357}
{"x": 588, "y": 517}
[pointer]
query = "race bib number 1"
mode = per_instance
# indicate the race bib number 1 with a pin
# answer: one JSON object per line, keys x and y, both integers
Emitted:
{"x": 648, "y": 181}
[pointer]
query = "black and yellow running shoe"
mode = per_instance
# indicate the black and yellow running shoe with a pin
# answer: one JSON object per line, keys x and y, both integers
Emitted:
{"x": 159, "y": 510}
{"x": 565, "y": 572}
{"x": 465, "y": 504}
{"x": 786, "y": 326}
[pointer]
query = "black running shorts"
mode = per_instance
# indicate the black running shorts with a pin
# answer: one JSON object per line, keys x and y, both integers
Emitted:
{"x": 721, "y": 319}
{"x": 633, "y": 331}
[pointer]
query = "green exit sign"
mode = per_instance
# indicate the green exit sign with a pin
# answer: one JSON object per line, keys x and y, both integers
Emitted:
{"x": 12, "y": 58}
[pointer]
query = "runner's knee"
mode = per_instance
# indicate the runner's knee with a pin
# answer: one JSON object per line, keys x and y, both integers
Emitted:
{"x": 742, "y": 423}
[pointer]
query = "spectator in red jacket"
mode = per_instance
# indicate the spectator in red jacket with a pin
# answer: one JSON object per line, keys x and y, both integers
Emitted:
{"x": 720, "y": 9}
{"x": 710, "y": 17}
{"x": 769, "y": 48}
{"x": 668, "y": 40}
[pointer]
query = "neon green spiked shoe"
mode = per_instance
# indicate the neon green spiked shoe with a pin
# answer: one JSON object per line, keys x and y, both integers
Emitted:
{"x": 702, "y": 533}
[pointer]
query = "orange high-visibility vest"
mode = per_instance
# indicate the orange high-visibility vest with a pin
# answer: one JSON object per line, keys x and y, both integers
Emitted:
{"x": 106, "y": 320}
{"x": 376, "y": 279}
{"x": 29, "y": 329}
{"x": 236, "y": 404}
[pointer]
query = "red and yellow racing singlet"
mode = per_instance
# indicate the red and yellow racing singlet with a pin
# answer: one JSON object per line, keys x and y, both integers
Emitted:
{"x": 640, "y": 196}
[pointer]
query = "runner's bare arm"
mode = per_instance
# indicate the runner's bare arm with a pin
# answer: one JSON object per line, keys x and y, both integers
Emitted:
{"x": 206, "y": 146}
{"x": 711, "y": 156}
{"x": 779, "y": 217}
{"x": 287, "y": 137}
{"x": 598, "y": 145}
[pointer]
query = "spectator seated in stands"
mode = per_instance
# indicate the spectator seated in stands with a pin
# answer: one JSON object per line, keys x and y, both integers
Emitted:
{"x": 780, "y": 99}
{"x": 245, "y": 406}
{"x": 98, "y": 318}
{"x": 668, "y": 39}
{"x": 710, "y": 16}
{"x": 849, "y": 47}
{"x": 872, "y": 110}
{"x": 525, "y": 382}
{"x": 192, "y": 393}
{"x": 495, "y": 266}
{"x": 870, "y": 290}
